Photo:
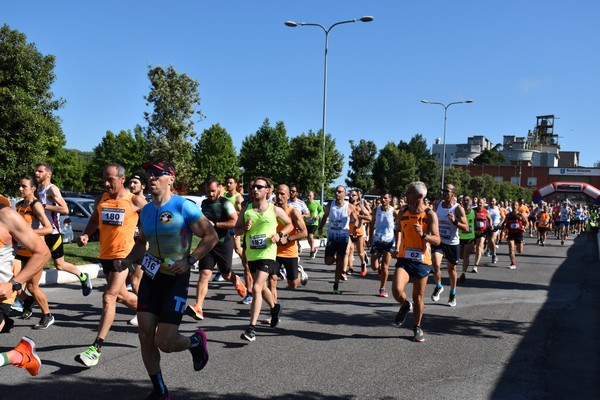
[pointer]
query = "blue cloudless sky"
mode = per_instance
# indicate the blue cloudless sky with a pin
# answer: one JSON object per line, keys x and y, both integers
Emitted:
{"x": 516, "y": 59}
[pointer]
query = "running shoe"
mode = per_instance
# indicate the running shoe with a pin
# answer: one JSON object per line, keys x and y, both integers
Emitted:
{"x": 199, "y": 350}
{"x": 313, "y": 253}
{"x": 275, "y": 312}
{"x": 90, "y": 357}
{"x": 240, "y": 288}
{"x": 562, "y": 242}
{"x": 133, "y": 321}
{"x": 86, "y": 284}
{"x": 487, "y": 253}
{"x": 475, "y": 269}
{"x": 350, "y": 271}
{"x": 462, "y": 278}
{"x": 418, "y": 334}
{"x": 382, "y": 292}
{"x": 249, "y": 334}
{"x": 494, "y": 259}
{"x": 17, "y": 305}
{"x": 248, "y": 299}
{"x": 28, "y": 307}
{"x": 402, "y": 313}
{"x": 31, "y": 362}
{"x": 154, "y": 395}
{"x": 363, "y": 269}
{"x": 195, "y": 312}
{"x": 436, "y": 293}
{"x": 344, "y": 276}
{"x": 452, "y": 300}
{"x": 512, "y": 266}
{"x": 336, "y": 289}
{"x": 45, "y": 322}
{"x": 303, "y": 275}
{"x": 218, "y": 278}
{"x": 282, "y": 273}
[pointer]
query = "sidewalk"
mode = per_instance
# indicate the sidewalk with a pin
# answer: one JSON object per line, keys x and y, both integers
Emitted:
{"x": 55, "y": 277}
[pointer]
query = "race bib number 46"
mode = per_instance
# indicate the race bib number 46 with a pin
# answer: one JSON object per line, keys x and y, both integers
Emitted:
{"x": 150, "y": 265}
{"x": 113, "y": 216}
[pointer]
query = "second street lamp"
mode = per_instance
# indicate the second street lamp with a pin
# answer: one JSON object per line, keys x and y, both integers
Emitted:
{"x": 444, "y": 140}
{"x": 293, "y": 24}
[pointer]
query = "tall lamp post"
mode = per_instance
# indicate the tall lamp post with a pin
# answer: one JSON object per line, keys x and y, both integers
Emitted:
{"x": 293, "y": 24}
{"x": 444, "y": 143}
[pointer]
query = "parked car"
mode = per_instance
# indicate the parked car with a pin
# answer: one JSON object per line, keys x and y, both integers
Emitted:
{"x": 72, "y": 225}
{"x": 196, "y": 199}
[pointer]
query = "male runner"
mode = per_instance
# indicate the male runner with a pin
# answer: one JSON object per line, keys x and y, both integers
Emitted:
{"x": 14, "y": 229}
{"x": 417, "y": 232}
{"x": 497, "y": 218}
{"x": 315, "y": 212}
{"x": 287, "y": 250}
{"x": 223, "y": 217}
{"x": 516, "y": 224}
{"x": 467, "y": 238}
{"x": 357, "y": 232}
{"x": 54, "y": 204}
{"x": 338, "y": 212}
{"x": 483, "y": 222}
{"x": 116, "y": 215}
{"x": 544, "y": 224}
{"x": 451, "y": 218}
{"x": 381, "y": 238}
{"x": 259, "y": 224}
{"x": 168, "y": 225}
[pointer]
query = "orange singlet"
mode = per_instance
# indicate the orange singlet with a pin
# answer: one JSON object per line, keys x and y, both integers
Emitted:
{"x": 412, "y": 247}
{"x": 117, "y": 226}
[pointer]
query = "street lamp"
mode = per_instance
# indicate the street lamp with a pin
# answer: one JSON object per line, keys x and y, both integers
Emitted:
{"x": 444, "y": 143}
{"x": 293, "y": 24}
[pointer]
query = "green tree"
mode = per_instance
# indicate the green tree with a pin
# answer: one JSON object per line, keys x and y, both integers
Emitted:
{"x": 214, "y": 155}
{"x": 484, "y": 186}
{"x": 362, "y": 159}
{"x": 69, "y": 170}
{"x": 428, "y": 169}
{"x": 124, "y": 148}
{"x": 266, "y": 153}
{"x": 29, "y": 129}
{"x": 306, "y": 159}
{"x": 174, "y": 98}
{"x": 460, "y": 178}
{"x": 489, "y": 157}
{"x": 394, "y": 169}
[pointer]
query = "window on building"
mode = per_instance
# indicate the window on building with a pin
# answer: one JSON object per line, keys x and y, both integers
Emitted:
{"x": 499, "y": 179}
{"x": 532, "y": 181}
{"x": 516, "y": 180}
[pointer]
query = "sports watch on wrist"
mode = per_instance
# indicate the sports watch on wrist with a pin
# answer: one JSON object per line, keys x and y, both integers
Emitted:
{"x": 191, "y": 260}
{"x": 16, "y": 286}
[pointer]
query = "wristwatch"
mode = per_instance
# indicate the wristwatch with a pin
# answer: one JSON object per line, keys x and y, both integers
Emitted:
{"x": 191, "y": 260}
{"x": 424, "y": 235}
{"x": 16, "y": 285}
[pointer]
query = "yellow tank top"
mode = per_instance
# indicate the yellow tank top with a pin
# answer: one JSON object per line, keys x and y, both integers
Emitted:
{"x": 412, "y": 246}
{"x": 289, "y": 250}
{"x": 117, "y": 222}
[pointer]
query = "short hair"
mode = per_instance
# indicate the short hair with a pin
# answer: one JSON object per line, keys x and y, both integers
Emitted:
{"x": 210, "y": 180}
{"x": 231, "y": 177}
{"x": 418, "y": 187}
{"x": 32, "y": 182}
{"x": 384, "y": 192}
{"x": 119, "y": 167}
{"x": 267, "y": 180}
{"x": 45, "y": 165}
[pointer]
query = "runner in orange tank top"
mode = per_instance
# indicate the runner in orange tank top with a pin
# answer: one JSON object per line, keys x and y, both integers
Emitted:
{"x": 417, "y": 232}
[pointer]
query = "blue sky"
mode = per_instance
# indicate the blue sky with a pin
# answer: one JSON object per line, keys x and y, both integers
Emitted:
{"x": 516, "y": 59}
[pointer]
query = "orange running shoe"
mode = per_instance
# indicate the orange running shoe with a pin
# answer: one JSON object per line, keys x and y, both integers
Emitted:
{"x": 31, "y": 362}
{"x": 240, "y": 287}
{"x": 195, "y": 312}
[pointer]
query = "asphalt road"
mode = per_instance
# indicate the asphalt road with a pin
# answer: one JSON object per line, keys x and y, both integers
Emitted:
{"x": 530, "y": 333}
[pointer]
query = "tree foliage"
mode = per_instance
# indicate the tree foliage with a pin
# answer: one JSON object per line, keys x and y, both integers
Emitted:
{"x": 362, "y": 160}
{"x": 266, "y": 153}
{"x": 124, "y": 148}
{"x": 214, "y": 155}
{"x": 489, "y": 157}
{"x": 306, "y": 159}
{"x": 174, "y": 98}
{"x": 394, "y": 169}
{"x": 428, "y": 169}
{"x": 29, "y": 129}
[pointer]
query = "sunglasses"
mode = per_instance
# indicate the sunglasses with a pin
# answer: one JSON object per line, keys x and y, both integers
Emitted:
{"x": 353, "y": 195}
{"x": 156, "y": 173}
{"x": 339, "y": 191}
{"x": 259, "y": 187}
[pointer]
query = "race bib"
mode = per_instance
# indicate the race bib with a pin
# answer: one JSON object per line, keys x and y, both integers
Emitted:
{"x": 113, "y": 216}
{"x": 481, "y": 224}
{"x": 414, "y": 254}
{"x": 514, "y": 225}
{"x": 150, "y": 265}
{"x": 444, "y": 232}
{"x": 258, "y": 242}
{"x": 310, "y": 220}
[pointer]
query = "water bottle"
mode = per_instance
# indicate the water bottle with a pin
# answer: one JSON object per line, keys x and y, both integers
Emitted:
{"x": 67, "y": 233}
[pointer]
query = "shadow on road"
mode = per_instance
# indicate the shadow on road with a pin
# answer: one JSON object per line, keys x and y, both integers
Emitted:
{"x": 559, "y": 356}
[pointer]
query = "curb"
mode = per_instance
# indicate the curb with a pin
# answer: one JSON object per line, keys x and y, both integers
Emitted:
{"x": 56, "y": 277}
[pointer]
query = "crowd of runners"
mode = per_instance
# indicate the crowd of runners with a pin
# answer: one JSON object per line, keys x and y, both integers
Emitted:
{"x": 148, "y": 244}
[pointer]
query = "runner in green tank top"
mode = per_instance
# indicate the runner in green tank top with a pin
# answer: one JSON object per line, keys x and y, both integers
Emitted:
{"x": 259, "y": 225}
{"x": 467, "y": 239}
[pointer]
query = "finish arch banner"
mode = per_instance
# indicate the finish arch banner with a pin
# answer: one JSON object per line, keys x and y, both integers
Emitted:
{"x": 567, "y": 187}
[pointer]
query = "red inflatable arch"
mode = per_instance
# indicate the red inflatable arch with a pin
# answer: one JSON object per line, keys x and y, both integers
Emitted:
{"x": 567, "y": 187}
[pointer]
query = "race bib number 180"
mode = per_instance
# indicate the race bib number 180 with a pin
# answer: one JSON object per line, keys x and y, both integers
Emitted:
{"x": 113, "y": 216}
